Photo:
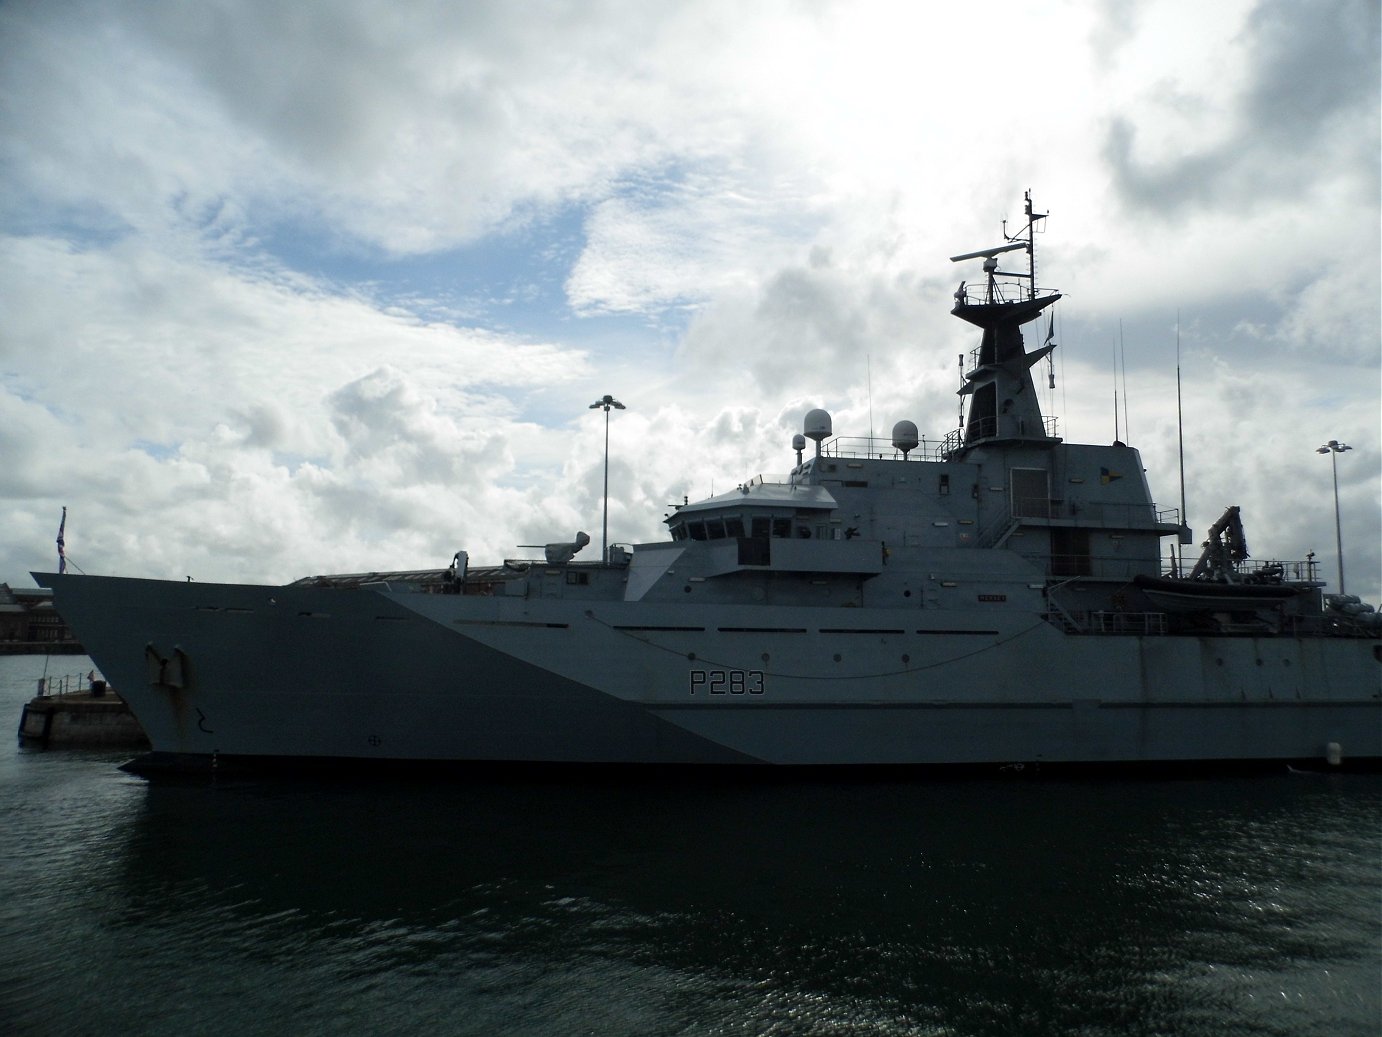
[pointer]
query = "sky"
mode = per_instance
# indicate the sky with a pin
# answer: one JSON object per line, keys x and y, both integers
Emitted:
{"x": 290, "y": 289}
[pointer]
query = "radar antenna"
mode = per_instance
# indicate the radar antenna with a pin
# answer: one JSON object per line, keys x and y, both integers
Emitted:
{"x": 1023, "y": 239}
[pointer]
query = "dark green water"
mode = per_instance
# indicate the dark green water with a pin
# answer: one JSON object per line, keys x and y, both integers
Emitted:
{"x": 1231, "y": 905}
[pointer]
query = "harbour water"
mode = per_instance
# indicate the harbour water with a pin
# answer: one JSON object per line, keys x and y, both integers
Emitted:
{"x": 1246, "y": 904}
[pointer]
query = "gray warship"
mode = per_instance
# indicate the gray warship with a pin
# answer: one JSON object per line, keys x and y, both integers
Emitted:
{"x": 995, "y": 597}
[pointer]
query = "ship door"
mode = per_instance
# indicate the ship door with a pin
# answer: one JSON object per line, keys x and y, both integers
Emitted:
{"x": 1029, "y": 493}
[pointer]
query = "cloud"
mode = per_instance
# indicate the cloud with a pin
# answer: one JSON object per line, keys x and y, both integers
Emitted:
{"x": 1275, "y": 118}
{"x": 242, "y": 421}
{"x": 330, "y": 286}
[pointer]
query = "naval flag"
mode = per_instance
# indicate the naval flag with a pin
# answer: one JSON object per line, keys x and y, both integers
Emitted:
{"x": 62, "y": 543}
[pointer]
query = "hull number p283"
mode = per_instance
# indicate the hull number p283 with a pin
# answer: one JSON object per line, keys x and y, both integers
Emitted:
{"x": 726, "y": 682}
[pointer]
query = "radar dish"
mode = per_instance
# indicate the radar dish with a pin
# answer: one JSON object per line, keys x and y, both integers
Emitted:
{"x": 989, "y": 253}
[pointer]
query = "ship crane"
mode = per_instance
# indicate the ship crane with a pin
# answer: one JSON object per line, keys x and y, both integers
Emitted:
{"x": 1226, "y": 547}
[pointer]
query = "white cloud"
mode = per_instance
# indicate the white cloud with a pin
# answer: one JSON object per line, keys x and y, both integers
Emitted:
{"x": 206, "y": 209}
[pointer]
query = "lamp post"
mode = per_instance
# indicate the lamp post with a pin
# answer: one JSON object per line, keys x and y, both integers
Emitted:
{"x": 1333, "y": 448}
{"x": 606, "y": 402}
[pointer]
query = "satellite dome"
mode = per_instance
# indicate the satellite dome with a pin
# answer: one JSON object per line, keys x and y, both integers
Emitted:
{"x": 798, "y": 442}
{"x": 905, "y": 437}
{"x": 817, "y": 425}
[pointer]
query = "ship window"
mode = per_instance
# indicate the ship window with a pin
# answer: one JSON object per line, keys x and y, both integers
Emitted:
{"x": 714, "y": 529}
{"x": 755, "y": 551}
{"x": 1070, "y": 552}
{"x": 945, "y": 483}
{"x": 577, "y": 579}
{"x": 782, "y": 527}
{"x": 1029, "y": 496}
{"x": 696, "y": 529}
{"x": 761, "y": 526}
{"x": 734, "y": 527}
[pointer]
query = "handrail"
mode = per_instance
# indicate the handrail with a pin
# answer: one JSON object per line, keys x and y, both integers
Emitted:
{"x": 1271, "y": 571}
{"x": 873, "y": 447}
{"x": 66, "y": 684}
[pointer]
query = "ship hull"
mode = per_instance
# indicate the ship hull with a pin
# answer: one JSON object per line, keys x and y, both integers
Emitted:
{"x": 312, "y": 673}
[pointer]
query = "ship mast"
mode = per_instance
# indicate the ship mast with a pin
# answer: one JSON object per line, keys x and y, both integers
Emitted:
{"x": 1004, "y": 404}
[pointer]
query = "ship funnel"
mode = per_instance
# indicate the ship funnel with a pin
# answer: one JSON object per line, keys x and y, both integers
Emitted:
{"x": 905, "y": 437}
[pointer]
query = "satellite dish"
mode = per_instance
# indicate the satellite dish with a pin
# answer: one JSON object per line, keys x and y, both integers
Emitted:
{"x": 817, "y": 425}
{"x": 905, "y": 437}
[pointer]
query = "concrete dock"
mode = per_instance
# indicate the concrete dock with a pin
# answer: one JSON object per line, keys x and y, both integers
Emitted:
{"x": 94, "y": 718}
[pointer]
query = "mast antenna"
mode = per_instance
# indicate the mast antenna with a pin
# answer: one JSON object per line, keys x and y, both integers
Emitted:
{"x": 961, "y": 424}
{"x": 868, "y": 377}
{"x": 1031, "y": 231}
{"x": 1116, "y": 437}
{"x": 1180, "y": 429}
{"x": 1123, "y": 362}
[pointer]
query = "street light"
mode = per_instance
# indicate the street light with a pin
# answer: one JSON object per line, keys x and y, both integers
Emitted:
{"x": 606, "y": 402}
{"x": 1333, "y": 448}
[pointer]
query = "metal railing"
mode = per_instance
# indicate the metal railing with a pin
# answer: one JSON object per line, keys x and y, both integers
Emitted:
{"x": 874, "y": 447}
{"x": 1254, "y": 571}
{"x": 1127, "y": 623}
{"x": 1102, "y": 566}
{"x": 1000, "y": 289}
{"x": 68, "y": 684}
{"x": 1109, "y": 514}
{"x": 986, "y": 428}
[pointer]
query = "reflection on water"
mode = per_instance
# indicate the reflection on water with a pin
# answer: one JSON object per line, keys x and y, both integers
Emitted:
{"x": 692, "y": 905}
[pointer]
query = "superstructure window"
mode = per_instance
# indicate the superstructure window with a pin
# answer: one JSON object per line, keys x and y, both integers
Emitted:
{"x": 1030, "y": 497}
{"x": 755, "y": 551}
{"x": 1070, "y": 554}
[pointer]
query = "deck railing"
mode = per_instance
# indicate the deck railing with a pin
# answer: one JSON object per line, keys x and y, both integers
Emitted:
{"x": 68, "y": 684}
{"x": 874, "y": 447}
{"x": 1256, "y": 571}
{"x": 1127, "y": 623}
